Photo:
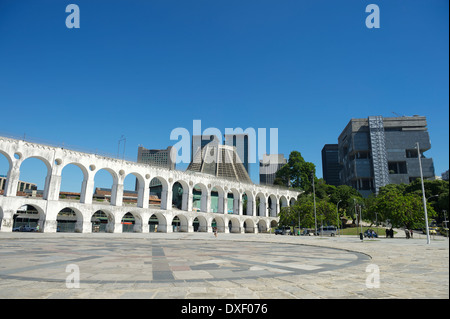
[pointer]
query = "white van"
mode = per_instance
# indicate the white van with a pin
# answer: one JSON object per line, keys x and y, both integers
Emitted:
{"x": 327, "y": 231}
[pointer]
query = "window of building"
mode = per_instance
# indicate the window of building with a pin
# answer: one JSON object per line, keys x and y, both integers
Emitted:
{"x": 362, "y": 155}
{"x": 397, "y": 168}
{"x": 365, "y": 184}
{"x": 411, "y": 154}
{"x": 345, "y": 150}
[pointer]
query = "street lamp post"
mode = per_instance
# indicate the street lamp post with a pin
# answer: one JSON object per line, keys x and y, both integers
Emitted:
{"x": 423, "y": 196}
{"x": 314, "y": 194}
{"x": 376, "y": 221}
{"x": 361, "y": 235}
{"x": 124, "y": 140}
{"x": 445, "y": 220}
{"x": 356, "y": 214}
{"x": 337, "y": 216}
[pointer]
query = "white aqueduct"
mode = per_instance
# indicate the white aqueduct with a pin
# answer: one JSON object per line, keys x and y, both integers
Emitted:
{"x": 48, "y": 206}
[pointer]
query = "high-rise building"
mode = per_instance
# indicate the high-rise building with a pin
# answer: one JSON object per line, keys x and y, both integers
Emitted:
{"x": 376, "y": 151}
{"x": 241, "y": 143}
{"x": 269, "y": 166}
{"x": 163, "y": 158}
{"x": 200, "y": 141}
{"x": 330, "y": 164}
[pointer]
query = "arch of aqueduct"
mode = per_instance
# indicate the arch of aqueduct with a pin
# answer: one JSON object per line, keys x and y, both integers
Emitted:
{"x": 254, "y": 219}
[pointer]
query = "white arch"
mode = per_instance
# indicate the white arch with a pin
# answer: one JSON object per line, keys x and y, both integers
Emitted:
{"x": 261, "y": 210}
{"x": 80, "y": 226}
{"x": 283, "y": 201}
{"x": 8, "y": 158}
{"x": 237, "y": 201}
{"x": 84, "y": 173}
{"x": 140, "y": 185}
{"x": 47, "y": 173}
{"x": 184, "y": 225}
{"x": 162, "y": 222}
{"x": 111, "y": 220}
{"x": 263, "y": 225}
{"x": 184, "y": 195}
{"x": 83, "y": 168}
{"x": 249, "y": 226}
{"x": 42, "y": 222}
{"x": 236, "y": 225}
{"x": 44, "y": 159}
{"x": 219, "y": 223}
{"x": 273, "y": 205}
{"x": 137, "y": 227}
{"x": 251, "y": 204}
{"x": 222, "y": 201}
{"x": 166, "y": 195}
{"x": 204, "y": 198}
{"x": 203, "y": 224}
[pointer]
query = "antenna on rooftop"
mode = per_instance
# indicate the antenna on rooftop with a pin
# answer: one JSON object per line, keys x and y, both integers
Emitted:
{"x": 124, "y": 140}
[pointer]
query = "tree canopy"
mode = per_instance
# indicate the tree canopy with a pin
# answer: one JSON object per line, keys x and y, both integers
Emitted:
{"x": 401, "y": 205}
{"x": 297, "y": 173}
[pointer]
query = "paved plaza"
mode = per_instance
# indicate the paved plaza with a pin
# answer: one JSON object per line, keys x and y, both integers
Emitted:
{"x": 198, "y": 265}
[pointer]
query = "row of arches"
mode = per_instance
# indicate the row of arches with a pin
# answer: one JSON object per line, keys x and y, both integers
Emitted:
{"x": 149, "y": 191}
{"x": 71, "y": 219}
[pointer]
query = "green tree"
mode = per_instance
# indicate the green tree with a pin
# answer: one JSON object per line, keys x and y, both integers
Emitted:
{"x": 304, "y": 209}
{"x": 326, "y": 213}
{"x": 323, "y": 190}
{"x": 296, "y": 173}
{"x": 402, "y": 210}
{"x": 436, "y": 192}
{"x": 345, "y": 195}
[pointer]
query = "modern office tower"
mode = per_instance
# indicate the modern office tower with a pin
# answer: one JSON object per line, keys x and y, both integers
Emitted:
{"x": 241, "y": 143}
{"x": 377, "y": 151}
{"x": 200, "y": 141}
{"x": 219, "y": 160}
{"x": 330, "y": 164}
{"x": 164, "y": 158}
{"x": 269, "y": 166}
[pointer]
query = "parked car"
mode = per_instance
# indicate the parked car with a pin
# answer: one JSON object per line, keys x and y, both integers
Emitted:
{"x": 24, "y": 228}
{"x": 432, "y": 228}
{"x": 327, "y": 231}
{"x": 284, "y": 230}
{"x": 307, "y": 232}
{"x": 370, "y": 233}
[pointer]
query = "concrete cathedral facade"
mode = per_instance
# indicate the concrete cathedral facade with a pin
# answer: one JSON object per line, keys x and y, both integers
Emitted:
{"x": 252, "y": 219}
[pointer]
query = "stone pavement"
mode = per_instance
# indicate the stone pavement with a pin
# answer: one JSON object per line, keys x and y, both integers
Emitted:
{"x": 198, "y": 265}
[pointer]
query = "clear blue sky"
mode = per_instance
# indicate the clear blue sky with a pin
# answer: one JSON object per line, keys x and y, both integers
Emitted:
{"x": 142, "y": 68}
